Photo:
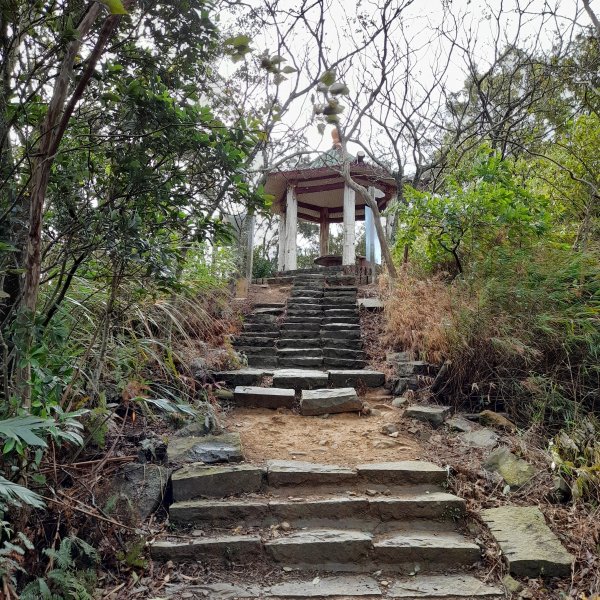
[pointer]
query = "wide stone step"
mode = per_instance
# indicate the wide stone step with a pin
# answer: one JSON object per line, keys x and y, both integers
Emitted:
{"x": 340, "y": 327}
{"x": 327, "y": 401}
{"x": 349, "y": 320}
{"x": 328, "y": 305}
{"x": 344, "y": 353}
{"x": 261, "y": 329}
{"x": 300, "y": 352}
{"x": 270, "y": 305}
{"x": 424, "y": 587}
{"x": 302, "y": 312}
{"x": 268, "y": 311}
{"x": 295, "y": 473}
{"x": 264, "y": 397}
{"x": 263, "y": 512}
{"x": 300, "y": 379}
{"x": 306, "y": 293}
{"x": 347, "y": 334}
{"x": 247, "y": 376}
{"x": 260, "y": 361}
{"x": 256, "y": 350}
{"x": 341, "y": 288}
{"x": 299, "y": 343}
{"x": 294, "y": 327}
{"x": 355, "y": 377}
{"x": 260, "y": 318}
{"x": 300, "y": 362}
{"x": 342, "y": 363}
{"x": 294, "y": 319}
{"x": 254, "y": 340}
{"x": 299, "y": 333}
{"x": 425, "y": 548}
{"x": 320, "y": 547}
{"x": 303, "y": 304}
{"x": 337, "y": 312}
{"x": 238, "y": 548}
{"x": 405, "y": 472}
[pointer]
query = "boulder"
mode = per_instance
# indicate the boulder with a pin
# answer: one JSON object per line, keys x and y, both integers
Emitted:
{"x": 514, "y": 470}
{"x": 481, "y": 438}
{"x": 399, "y": 402}
{"x": 491, "y": 418}
{"x": 142, "y": 485}
{"x": 459, "y": 423}
{"x": 436, "y": 415}
{"x": 326, "y": 401}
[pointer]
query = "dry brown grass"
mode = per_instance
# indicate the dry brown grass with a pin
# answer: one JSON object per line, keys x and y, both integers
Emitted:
{"x": 416, "y": 314}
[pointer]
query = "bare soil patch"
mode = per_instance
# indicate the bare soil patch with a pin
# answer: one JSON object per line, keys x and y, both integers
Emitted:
{"x": 344, "y": 439}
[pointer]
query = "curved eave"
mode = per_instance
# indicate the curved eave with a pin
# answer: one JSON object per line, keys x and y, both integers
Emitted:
{"x": 322, "y": 188}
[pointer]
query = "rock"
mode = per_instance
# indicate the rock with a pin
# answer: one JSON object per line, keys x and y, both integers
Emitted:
{"x": 414, "y": 367}
{"x": 224, "y": 394}
{"x": 152, "y": 449}
{"x": 481, "y": 438}
{"x": 383, "y": 444}
{"x": 205, "y": 422}
{"x": 143, "y": 485}
{"x": 489, "y": 417}
{"x": 247, "y": 376}
{"x": 443, "y": 586}
{"x": 436, "y": 415}
{"x": 529, "y": 546}
{"x": 399, "y": 402}
{"x": 389, "y": 428}
{"x": 226, "y": 447}
{"x": 398, "y": 357}
{"x": 321, "y": 401}
{"x": 299, "y": 379}
{"x": 399, "y": 386}
{"x": 512, "y": 585}
{"x": 514, "y": 470}
{"x": 370, "y": 303}
{"x": 459, "y": 423}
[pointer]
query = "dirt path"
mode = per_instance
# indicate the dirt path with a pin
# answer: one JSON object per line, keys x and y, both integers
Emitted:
{"x": 345, "y": 439}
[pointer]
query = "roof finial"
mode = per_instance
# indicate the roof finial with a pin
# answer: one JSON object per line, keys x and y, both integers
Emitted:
{"x": 335, "y": 136}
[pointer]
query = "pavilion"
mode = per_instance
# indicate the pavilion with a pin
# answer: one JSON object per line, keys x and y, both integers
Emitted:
{"x": 318, "y": 193}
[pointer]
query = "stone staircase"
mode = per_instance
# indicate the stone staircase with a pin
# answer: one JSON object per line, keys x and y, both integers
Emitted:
{"x": 375, "y": 530}
{"x": 306, "y": 530}
{"x": 318, "y": 327}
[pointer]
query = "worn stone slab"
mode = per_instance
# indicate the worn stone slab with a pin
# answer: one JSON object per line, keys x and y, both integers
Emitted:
{"x": 219, "y": 512}
{"x": 321, "y": 508}
{"x": 295, "y": 472}
{"x": 197, "y": 480}
{"x": 318, "y": 546}
{"x": 343, "y": 586}
{"x": 514, "y": 470}
{"x": 370, "y": 303}
{"x": 340, "y": 363}
{"x": 264, "y": 397}
{"x": 407, "y": 471}
{"x": 345, "y": 353}
{"x": 436, "y": 415}
{"x": 300, "y": 361}
{"x": 326, "y": 401}
{"x": 435, "y": 505}
{"x": 299, "y": 343}
{"x": 459, "y": 423}
{"x": 226, "y": 447}
{"x": 299, "y": 379}
{"x": 480, "y": 438}
{"x": 530, "y": 548}
{"x": 351, "y": 377}
{"x": 231, "y": 547}
{"x": 446, "y": 548}
{"x": 247, "y": 376}
{"x": 216, "y": 591}
{"x": 340, "y": 326}
{"x": 443, "y": 586}
{"x": 341, "y": 334}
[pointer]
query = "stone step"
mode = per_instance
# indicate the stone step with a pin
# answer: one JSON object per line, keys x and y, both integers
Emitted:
{"x": 270, "y": 305}
{"x": 300, "y": 362}
{"x": 413, "y": 472}
{"x": 327, "y": 401}
{"x": 263, "y": 512}
{"x": 426, "y": 548}
{"x": 349, "y": 320}
{"x": 263, "y": 351}
{"x": 306, "y": 293}
{"x": 340, "y": 327}
{"x": 294, "y": 473}
{"x": 299, "y": 343}
{"x": 268, "y": 311}
{"x": 264, "y": 397}
{"x": 238, "y": 548}
{"x": 294, "y": 319}
{"x": 356, "y": 377}
{"x": 260, "y": 318}
{"x": 254, "y": 340}
{"x": 197, "y": 480}
{"x": 425, "y": 587}
{"x": 344, "y": 353}
{"x": 341, "y": 289}
{"x": 300, "y": 352}
{"x": 261, "y": 328}
{"x": 344, "y": 363}
{"x": 247, "y": 376}
{"x": 300, "y": 333}
{"x": 328, "y": 305}
{"x": 262, "y": 362}
{"x": 300, "y": 379}
{"x": 304, "y": 304}
{"x": 337, "y": 312}
{"x": 304, "y": 312}
{"x": 343, "y": 334}
{"x": 293, "y": 326}
{"x": 320, "y": 546}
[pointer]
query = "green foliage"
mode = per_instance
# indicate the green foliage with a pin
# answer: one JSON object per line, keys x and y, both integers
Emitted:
{"x": 262, "y": 266}
{"x": 482, "y": 208}
{"x": 74, "y": 576}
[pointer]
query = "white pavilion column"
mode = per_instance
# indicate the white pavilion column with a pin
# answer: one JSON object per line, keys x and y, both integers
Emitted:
{"x": 291, "y": 229}
{"x": 324, "y": 232}
{"x": 349, "y": 249}
{"x": 282, "y": 245}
